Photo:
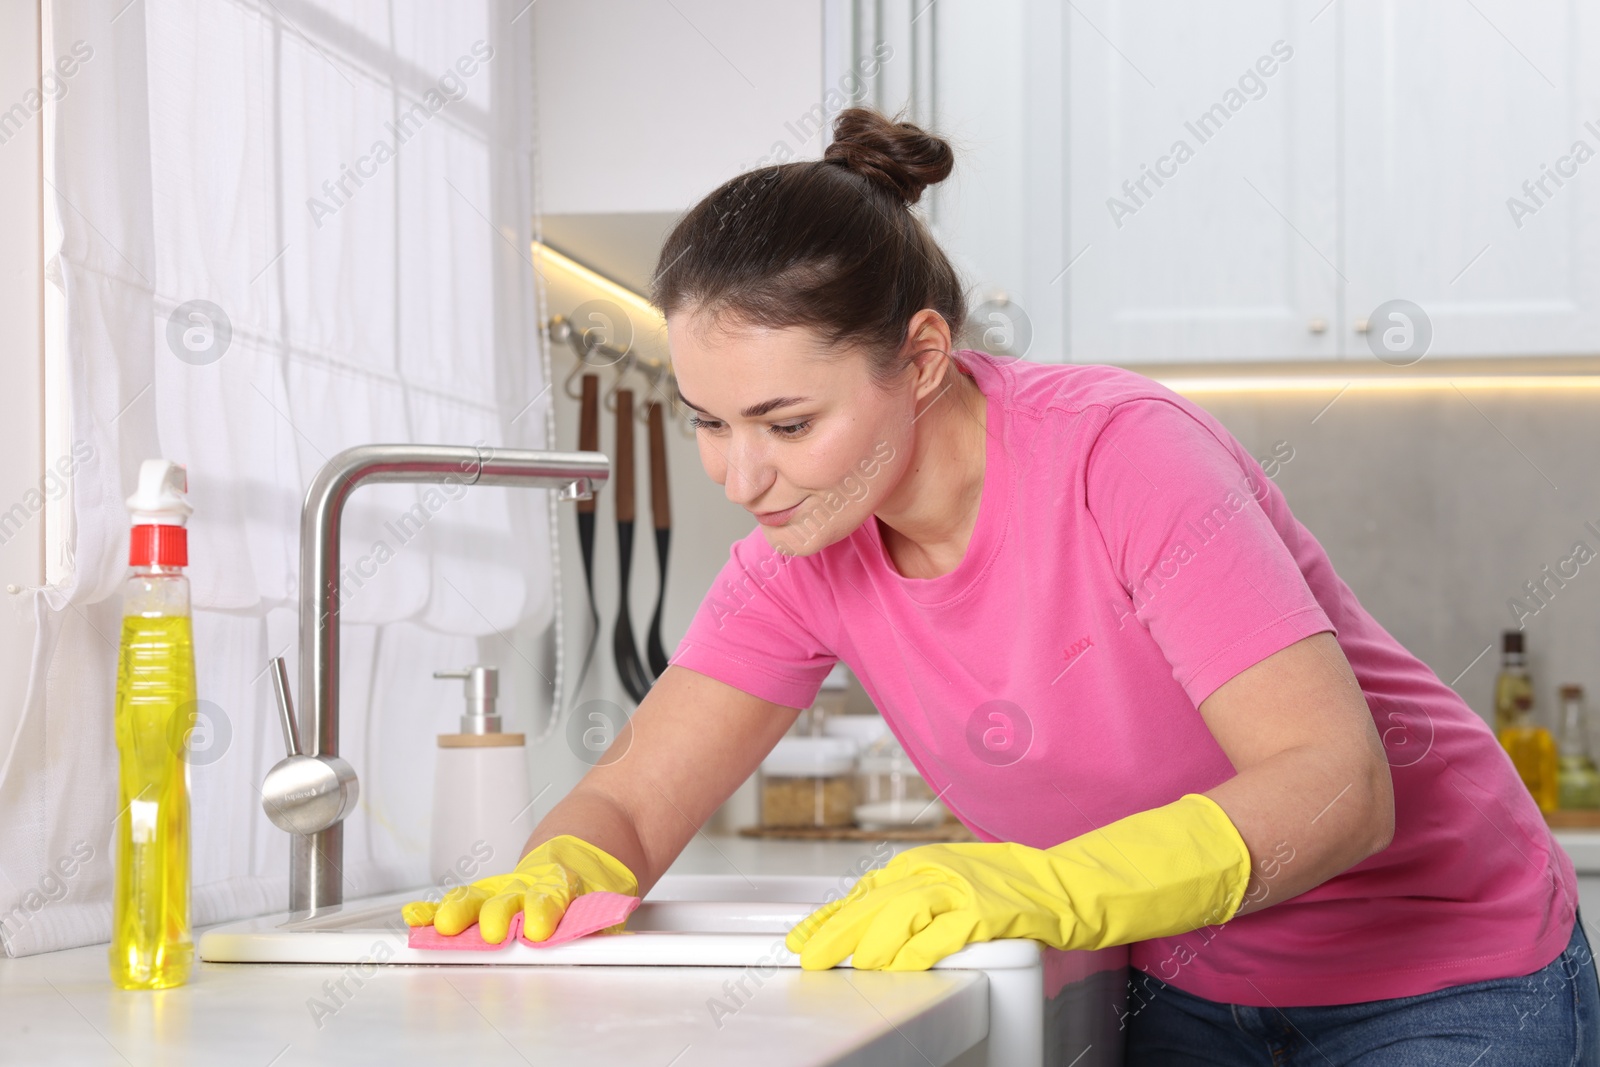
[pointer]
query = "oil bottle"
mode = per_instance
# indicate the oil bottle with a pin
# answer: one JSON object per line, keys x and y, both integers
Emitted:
{"x": 1578, "y": 776}
{"x": 1512, "y": 684}
{"x": 1533, "y": 753}
{"x": 151, "y": 945}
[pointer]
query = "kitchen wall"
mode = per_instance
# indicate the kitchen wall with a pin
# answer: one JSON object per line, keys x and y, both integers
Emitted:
{"x": 1436, "y": 506}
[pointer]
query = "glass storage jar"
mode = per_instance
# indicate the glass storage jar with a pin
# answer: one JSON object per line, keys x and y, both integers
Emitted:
{"x": 835, "y": 690}
{"x": 890, "y": 791}
{"x": 830, "y": 701}
{"x": 807, "y": 782}
{"x": 862, "y": 729}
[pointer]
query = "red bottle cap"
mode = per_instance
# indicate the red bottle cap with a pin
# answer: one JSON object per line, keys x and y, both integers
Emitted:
{"x": 165, "y": 546}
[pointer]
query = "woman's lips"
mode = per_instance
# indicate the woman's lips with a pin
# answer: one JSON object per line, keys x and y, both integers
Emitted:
{"x": 776, "y": 518}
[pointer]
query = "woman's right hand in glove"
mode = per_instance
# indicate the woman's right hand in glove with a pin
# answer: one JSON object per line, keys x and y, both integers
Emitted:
{"x": 541, "y": 888}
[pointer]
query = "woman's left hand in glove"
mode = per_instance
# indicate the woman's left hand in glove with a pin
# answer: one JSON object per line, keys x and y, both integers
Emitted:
{"x": 1152, "y": 874}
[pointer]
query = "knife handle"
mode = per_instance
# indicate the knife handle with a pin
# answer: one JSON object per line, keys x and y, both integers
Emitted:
{"x": 660, "y": 506}
{"x": 624, "y": 457}
{"x": 589, "y": 427}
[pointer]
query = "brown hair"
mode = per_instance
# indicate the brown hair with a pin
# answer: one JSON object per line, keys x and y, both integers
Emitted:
{"x": 828, "y": 244}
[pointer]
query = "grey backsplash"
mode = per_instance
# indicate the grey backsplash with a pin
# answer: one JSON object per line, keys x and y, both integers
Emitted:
{"x": 1437, "y": 505}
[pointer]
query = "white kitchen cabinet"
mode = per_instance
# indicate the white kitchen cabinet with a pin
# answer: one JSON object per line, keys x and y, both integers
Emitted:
{"x": 1202, "y": 183}
{"x": 1470, "y": 137}
{"x": 1158, "y": 182}
{"x": 1145, "y": 181}
{"x": 649, "y": 107}
{"x": 1000, "y": 216}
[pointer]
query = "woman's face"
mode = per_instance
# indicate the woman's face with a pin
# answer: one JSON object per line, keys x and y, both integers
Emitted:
{"x": 799, "y": 436}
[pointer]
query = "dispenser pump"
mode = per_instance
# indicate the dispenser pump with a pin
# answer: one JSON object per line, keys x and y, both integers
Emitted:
{"x": 479, "y": 775}
{"x": 159, "y": 512}
{"x": 482, "y": 689}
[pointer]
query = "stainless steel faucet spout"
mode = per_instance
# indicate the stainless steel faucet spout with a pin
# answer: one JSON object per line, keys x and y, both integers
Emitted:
{"x": 315, "y": 878}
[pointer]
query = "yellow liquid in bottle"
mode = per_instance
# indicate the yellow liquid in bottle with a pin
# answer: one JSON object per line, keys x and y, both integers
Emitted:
{"x": 1533, "y": 752}
{"x": 151, "y": 947}
{"x": 1512, "y": 692}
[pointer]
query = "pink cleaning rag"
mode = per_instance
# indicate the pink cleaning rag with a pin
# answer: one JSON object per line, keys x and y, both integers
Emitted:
{"x": 587, "y": 914}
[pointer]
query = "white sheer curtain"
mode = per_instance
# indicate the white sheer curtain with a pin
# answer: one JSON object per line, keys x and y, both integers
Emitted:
{"x": 284, "y": 228}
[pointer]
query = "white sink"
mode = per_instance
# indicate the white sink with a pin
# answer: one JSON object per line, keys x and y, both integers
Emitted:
{"x": 1046, "y": 1007}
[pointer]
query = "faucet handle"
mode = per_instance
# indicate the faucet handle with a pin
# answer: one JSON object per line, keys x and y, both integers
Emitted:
{"x": 280, "y": 686}
{"x": 304, "y": 794}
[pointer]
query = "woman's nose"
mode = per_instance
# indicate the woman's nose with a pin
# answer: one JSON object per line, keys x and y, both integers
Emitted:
{"x": 749, "y": 475}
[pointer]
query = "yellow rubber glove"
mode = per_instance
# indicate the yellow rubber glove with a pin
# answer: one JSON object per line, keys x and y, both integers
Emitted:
{"x": 541, "y": 887}
{"x": 1153, "y": 874}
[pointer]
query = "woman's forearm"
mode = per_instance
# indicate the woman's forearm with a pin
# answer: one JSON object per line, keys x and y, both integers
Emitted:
{"x": 1313, "y": 794}
{"x": 591, "y": 816}
{"x": 1306, "y": 815}
{"x": 659, "y": 780}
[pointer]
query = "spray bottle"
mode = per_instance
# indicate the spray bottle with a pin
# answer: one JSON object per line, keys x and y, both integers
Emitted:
{"x": 151, "y": 946}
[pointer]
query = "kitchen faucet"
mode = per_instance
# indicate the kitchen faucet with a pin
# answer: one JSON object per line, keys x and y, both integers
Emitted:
{"x": 309, "y": 794}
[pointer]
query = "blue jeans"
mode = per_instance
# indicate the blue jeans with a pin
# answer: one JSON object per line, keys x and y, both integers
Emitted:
{"x": 1550, "y": 1018}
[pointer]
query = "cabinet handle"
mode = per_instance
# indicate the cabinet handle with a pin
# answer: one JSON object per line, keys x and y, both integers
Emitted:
{"x": 1362, "y": 326}
{"x": 1317, "y": 325}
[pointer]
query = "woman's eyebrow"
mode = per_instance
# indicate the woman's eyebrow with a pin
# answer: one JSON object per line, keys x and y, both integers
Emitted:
{"x": 754, "y": 411}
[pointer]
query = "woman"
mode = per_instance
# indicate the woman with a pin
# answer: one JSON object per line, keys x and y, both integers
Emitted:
{"x": 1103, "y": 638}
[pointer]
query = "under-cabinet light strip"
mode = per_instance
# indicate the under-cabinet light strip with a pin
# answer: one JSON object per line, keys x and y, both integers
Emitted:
{"x": 1288, "y": 383}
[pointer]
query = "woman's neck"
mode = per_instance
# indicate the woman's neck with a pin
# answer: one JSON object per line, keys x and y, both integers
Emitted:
{"x": 927, "y": 523}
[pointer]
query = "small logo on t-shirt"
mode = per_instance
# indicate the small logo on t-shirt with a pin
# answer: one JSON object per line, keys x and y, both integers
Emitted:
{"x": 1072, "y": 654}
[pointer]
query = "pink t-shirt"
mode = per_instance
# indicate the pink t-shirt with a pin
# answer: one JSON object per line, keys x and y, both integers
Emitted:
{"x": 1129, "y": 558}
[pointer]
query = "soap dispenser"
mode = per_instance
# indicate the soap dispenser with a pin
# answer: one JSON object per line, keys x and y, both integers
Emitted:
{"x": 482, "y": 805}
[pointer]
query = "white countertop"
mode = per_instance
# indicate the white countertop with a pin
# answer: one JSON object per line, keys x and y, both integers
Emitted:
{"x": 61, "y": 1006}
{"x": 1583, "y": 846}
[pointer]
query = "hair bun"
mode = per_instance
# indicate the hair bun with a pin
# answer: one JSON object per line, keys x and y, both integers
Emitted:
{"x": 898, "y": 156}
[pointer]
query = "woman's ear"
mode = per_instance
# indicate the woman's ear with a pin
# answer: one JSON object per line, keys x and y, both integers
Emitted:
{"x": 928, "y": 346}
